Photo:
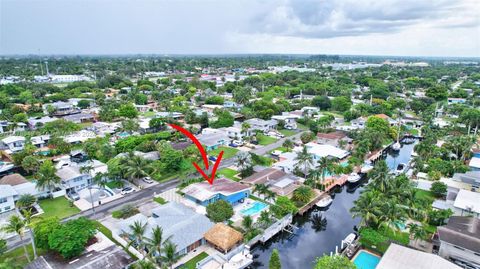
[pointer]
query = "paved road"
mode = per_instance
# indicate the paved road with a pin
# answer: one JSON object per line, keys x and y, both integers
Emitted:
{"x": 146, "y": 194}
{"x": 106, "y": 209}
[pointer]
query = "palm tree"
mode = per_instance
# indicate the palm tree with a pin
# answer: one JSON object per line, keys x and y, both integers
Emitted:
{"x": 265, "y": 218}
{"x": 260, "y": 189}
{"x": 303, "y": 194}
{"x": 27, "y": 215}
{"x": 46, "y": 176}
{"x": 393, "y": 214}
{"x": 270, "y": 195}
{"x": 247, "y": 223}
{"x": 155, "y": 243}
{"x": 137, "y": 233}
{"x": 367, "y": 207}
{"x": 26, "y": 201}
{"x": 417, "y": 231}
{"x": 304, "y": 160}
{"x": 171, "y": 256}
{"x": 288, "y": 145}
{"x": 380, "y": 176}
{"x": 245, "y": 128}
{"x": 244, "y": 161}
{"x": 325, "y": 165}
{"x": 17, "y": 225}
{"x": 137, "y": 167}
{"x": 319, "y": 223}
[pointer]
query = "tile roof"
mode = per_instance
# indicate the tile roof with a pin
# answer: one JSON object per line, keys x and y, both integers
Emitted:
{"x": 12, "y": 180}
{"x": 262, "y": 176}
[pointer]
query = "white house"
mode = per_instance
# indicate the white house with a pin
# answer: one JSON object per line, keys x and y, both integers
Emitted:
{"x": 262, "y": 125}
{"x": 289, "y": 119}
{"x": 72, "y": 179}
{"x": 12, "y": 187}
{"x": 320, "y": 151}
{"x": 13, "y": 143}
{"x": 467, "y": 203}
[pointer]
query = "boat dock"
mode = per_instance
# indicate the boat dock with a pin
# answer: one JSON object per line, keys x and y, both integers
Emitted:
{"x": 284, "y": 224}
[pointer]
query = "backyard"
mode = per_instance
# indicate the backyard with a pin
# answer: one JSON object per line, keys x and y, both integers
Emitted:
{"x": 192, "y": 264}
{"x": 58, "y": 207}
{"x": 286, "y": 132}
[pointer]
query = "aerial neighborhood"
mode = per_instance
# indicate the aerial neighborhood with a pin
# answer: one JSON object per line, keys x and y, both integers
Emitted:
{"x": 325, "y": 160}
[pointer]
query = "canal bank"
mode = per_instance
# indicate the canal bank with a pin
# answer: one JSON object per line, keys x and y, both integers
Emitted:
{"x": 313, "y": 238}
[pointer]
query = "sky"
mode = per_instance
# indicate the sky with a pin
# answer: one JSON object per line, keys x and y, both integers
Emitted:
{"x": 346, "y": 27}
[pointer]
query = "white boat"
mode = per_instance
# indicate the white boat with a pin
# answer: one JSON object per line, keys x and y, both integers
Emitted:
{"x": 401, "y": 167}
{"x": 396, "y": 146}
{"x": 350, "y": 238}
{"x": 366, "y": 168}
{"x": 324, "y": 202}
{"x": 353, "y": 177}
{"x": 5, "y": 166}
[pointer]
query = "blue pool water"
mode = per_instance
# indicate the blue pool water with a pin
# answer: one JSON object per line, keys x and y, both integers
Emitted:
{"x": 365, "y": 260}
{"x": 342, "y": 164}
{"x": 253, "y": 209}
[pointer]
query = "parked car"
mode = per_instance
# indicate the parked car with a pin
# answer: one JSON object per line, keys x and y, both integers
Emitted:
{"x": 127, "y": 190}
{"x": 238, "y": 143}
{"x": 232, "y": 145}
{"x": 147, "y": 180}
{"x": 73, "y": 196}
{"x": 212, "y": 158}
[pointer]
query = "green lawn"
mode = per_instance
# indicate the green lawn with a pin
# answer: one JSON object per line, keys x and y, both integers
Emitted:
{"x": 282, "y": 149}
{"x": 227, "y": 154}
{"x": 192, "y": 264}
{"x": 114, "y": 184}
{"x": 286, "y": 132}
{"x": 149, "y": 114}
{"x": 302, "y": 127}
{"x": 160, "y": 200}
{"x": 265, "y": 139}
{"x": 18, "y": 257}
{"x": 228, "y": 173}
{"x": 423, "y": 194}
{"x": 58, "y": 207}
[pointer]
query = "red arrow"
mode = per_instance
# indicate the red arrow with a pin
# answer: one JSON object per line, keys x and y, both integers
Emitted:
{"x": 195, "y": 140}
{"x": 204, "y": 155}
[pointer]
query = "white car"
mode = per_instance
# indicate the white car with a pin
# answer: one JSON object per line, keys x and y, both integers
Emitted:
{"x": 127, "y": 190}
{"x": 147, "y": 180}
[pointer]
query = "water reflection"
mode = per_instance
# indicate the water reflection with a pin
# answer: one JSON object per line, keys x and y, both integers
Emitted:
{"x": 320, "y": 231}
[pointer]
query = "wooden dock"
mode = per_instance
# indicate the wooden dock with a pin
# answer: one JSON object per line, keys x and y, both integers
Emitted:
{"x": 318, "y": 196}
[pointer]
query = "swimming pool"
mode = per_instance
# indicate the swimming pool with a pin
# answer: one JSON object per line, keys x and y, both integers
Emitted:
{"x": 366, "y": 260}
{"x": 255, "y": 208}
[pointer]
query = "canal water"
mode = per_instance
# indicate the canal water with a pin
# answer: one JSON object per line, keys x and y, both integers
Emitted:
{"x": 300, "y": 250}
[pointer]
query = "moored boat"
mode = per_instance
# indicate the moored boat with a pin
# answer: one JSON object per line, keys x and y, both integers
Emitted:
{"x": 324, "y": 202}
{"x": 353, "y": 177}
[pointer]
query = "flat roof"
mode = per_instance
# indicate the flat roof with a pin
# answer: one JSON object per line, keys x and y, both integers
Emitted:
{"x": 203, "y": 190}
{"x": 400, "y": 257}
{"x": 468, "y": 200}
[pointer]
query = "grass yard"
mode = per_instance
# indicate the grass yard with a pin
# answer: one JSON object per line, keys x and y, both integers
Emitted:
{"x": 149, "y": 114}
{"x": 423, "y": 194}
{"x": 192, "y": 264}
{"x": 227, "y": 154}
{"x": 114, "y": 184}
{"x": 265, "y": 139}
{"x": 228, "y": 173}
{"x": 58, "y": 207}
{"x": 302, "y": 127}
{"x": 160, "y": 200}
{"x": 287, "y": 133}
{"x": 17, "y": 256}
{"x": 282, "y": 149}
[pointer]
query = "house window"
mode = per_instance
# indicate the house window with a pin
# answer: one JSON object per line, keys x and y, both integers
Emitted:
{"x": 3, "y": 200}
{"x": 7, "y": 208}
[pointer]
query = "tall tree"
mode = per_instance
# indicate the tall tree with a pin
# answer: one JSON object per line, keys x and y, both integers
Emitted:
{"x": 304, "y": 160}
{"x": 16, "y": 225}
{"x": 46, "y": 176}
{"x": 274, "y": 262}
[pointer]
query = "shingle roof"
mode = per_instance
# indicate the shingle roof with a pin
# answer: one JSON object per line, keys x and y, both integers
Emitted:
{"x": 461, "y": 231}
{"x": 400, "y": 257}
{"x": 12, "y": 180}
{"x": 262, "y": 176}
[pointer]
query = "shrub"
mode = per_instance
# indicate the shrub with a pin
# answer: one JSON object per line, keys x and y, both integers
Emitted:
{"x": 159, "y": 200}
{"x": 439, "y": 189}
{"x": 126, "y": 211}
{"x": 219, "y": 211}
